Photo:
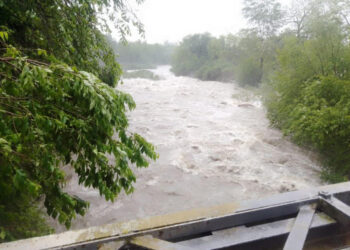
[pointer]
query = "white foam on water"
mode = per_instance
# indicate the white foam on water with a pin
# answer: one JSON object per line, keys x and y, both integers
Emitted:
{"x": 215, "y": 146}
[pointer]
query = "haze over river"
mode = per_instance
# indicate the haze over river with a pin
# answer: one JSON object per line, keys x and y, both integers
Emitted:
{"x": 215, "y": 146}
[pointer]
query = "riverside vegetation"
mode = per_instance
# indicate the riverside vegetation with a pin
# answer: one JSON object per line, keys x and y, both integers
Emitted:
{"x": 141, "y": 55}
{"x": 300, "y": 57}
{"x": 142, "y": 73}
{"x": 59, "y": 105}
{"x": 136, "y": 57}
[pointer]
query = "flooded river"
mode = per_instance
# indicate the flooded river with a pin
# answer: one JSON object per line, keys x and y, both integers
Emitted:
{"x": 215, "y": 146}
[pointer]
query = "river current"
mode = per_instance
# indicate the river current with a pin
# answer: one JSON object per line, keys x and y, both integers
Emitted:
{"x": 215, "y": 146}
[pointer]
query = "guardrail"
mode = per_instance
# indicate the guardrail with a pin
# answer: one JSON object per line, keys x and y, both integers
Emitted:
{"x": 287, "y": 220}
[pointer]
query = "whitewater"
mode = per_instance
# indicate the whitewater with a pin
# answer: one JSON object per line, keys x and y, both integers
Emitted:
{"x": 215, "y": 146}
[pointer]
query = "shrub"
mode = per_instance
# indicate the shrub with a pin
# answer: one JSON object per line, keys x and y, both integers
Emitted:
{"x": 248, "y": 72}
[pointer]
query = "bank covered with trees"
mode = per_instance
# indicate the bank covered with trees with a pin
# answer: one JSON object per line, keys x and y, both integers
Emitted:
{"x": 141, "y": 55}
{"x": 59, "y": 104}
{"x": 300, "y": 56}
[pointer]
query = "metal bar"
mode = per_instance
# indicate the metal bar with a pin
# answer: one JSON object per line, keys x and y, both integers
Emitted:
{"x": 297, "y": 236}
{"x": 212, "y": 224}
{"x": 243, "y": 235}
{"x": 150, "y": 242}
{"x": 336, "y": 209}
{"x": 183, "y": 224}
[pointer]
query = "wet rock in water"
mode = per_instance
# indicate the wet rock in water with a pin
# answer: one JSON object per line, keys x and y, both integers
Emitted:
{"x": 191, "y": 166}
{"x": 196, "y": 149}
{"x": 222, "y": 168}
{"x": 246, "y": 105}
{"x": 172, "y": 193}
{"x": 237, "y": 142}
{"x": 234, "y": 170}
{"x": 282, "y": 160}
{"x": 273, "y": 141}
{"x": 286, "y": 188}
{"x": 258, "y": 171}
{"x": 192, "y": 126}
{"x": 214, "y": 158}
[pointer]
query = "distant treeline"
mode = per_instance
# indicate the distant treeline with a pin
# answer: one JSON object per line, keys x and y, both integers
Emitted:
{"x": 141, "y": 55}
{"x": 228, "y": 58}
{"x": 301, "y": 56}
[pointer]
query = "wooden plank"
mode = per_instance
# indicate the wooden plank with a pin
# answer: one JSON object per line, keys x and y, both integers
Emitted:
{"x": 243, "y": 235}
{"x": 298, "y": 234}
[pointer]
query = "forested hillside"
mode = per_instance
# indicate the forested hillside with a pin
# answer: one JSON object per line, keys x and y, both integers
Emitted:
{"x": 300, "y": 56}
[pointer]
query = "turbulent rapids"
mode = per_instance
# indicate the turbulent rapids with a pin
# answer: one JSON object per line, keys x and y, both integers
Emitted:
{"x": 215, "y": 146}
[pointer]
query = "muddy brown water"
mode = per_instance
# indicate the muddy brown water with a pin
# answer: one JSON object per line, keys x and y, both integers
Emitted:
{"x": 215, "y": 146}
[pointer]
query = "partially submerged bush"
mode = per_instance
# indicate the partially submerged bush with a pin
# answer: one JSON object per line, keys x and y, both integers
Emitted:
{"x": 141, "y": 74}
{"x": 249, "y": 72}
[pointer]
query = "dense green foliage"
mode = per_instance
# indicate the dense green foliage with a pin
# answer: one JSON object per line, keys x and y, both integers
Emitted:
{"x": 310, "y": 92}
{"x": 228, "y": 58}
{"x": 265, "y": 15}
{"x": 205, "y": 57}
{"x": 55, "y": 111}
{"x": 247, "y": 57}
{"x": 68, "y": 30}
{"x": 141, "y": 55}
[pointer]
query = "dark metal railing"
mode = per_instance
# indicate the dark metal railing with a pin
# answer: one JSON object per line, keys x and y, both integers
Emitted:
{"x": 288, "y": 221}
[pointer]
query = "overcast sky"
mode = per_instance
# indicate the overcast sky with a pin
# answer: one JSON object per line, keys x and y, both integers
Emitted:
{"x": 171, "y": 20}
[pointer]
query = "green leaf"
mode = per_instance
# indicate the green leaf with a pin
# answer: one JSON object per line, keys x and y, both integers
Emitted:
{"x": 2, "y": 233}
{"x": 4, "y": 36}
{"x": 42, "y": 52}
